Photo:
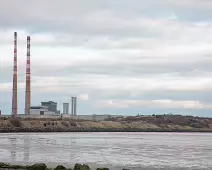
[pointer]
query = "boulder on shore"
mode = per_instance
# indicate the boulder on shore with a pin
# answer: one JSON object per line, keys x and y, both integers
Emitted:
{"x": 81, "y": 167}
{"x": 2, "y": 165}
{"x": 40, "y": 166}
{"x": 61, "y": 167}
{"x": 8, "y": 166}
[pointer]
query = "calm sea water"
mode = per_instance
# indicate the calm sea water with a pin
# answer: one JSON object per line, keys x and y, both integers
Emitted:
{"x": 113, "y": 150}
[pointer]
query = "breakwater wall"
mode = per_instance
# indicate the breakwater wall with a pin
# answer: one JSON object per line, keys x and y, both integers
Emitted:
{"x": 66, "y": 116}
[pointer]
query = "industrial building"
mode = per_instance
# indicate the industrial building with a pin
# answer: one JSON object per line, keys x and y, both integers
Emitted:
{"x": 47, "y": 109}
{"x": 65, "y": 108}
{"x": 40, "y": 110}
{"x": 52, "y": 106}
{"x": 73, "y": 106}
{"x": 15, "y": 79}
{"x": 28, "y": 80}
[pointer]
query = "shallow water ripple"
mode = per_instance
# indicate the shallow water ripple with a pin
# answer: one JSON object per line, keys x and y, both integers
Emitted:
{"x": 181, "y": 151}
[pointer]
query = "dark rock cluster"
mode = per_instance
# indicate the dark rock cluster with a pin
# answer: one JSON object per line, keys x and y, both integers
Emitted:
{"x": 78, "y": 129}
{"x": 42, "y": 166}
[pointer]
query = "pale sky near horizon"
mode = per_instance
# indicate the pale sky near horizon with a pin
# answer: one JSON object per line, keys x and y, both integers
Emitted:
{"x": 118, "y": 57}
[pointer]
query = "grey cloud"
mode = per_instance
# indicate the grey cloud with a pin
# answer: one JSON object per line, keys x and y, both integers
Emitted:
{"x": 81, "y": 17}
{"x": 122, "y": 67}
{"x": 133, "y": 68}
{"x": 161, "y": 46}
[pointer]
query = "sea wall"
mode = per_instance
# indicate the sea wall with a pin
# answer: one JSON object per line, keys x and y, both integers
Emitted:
{"x": 65, "y": 116}
{"x": 90, "y": 117}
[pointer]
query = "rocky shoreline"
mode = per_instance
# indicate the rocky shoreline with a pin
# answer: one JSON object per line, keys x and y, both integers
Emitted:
{"x": 42, "y": 166}
{"x": 28, "y": 130}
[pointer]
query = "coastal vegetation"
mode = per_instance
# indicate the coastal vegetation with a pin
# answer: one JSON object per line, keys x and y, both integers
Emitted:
{"x": 154, "y": 123}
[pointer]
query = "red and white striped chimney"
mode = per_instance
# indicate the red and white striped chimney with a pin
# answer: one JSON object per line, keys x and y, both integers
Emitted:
{"x": 15, "y": 80}
{"x": 28, "y": 80}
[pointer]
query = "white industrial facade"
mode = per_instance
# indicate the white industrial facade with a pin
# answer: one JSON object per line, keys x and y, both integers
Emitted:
{"x": 40, "y": 110}
{"x": 66, "y": 108}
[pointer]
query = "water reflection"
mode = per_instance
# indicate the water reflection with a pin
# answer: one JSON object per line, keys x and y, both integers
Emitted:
{"x": 13, "y": 149}
{"x": 117, "y": 149}
{"x": 72, "y": 155}
{"x": 14, "y": 152}
{"x": 26, "y": 148}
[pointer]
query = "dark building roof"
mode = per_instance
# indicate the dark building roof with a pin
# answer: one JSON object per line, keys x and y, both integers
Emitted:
{"x": 38, "y": 107}
{"x": 49, "y": 102}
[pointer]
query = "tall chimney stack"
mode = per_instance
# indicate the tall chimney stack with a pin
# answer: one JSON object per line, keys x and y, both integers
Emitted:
{"x": 72, "y": 106}
{"x": 15, "y": 80}
{"x": 75, "y": 106}
{"x": 28, "y": 79}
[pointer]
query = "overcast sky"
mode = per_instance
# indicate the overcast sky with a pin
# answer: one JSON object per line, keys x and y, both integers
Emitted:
{"x": 117, "y": 56}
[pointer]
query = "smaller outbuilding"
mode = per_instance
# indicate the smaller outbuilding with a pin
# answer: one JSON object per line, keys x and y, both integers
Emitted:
{"x": 40, "y": 110}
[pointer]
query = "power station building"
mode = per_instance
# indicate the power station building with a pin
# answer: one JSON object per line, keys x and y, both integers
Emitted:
{"x": 40, "y": 110}
{"x": 52, "y": 106}
{"x": 65, "y": 108}
{"x": 46, "y": 108}
{"x": 73, "y": 106}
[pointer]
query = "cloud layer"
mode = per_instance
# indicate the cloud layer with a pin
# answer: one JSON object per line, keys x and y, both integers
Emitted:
{"x": 119, "y": 57}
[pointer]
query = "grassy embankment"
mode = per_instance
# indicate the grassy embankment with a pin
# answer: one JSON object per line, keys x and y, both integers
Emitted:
{"x": 164, "y": 123}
